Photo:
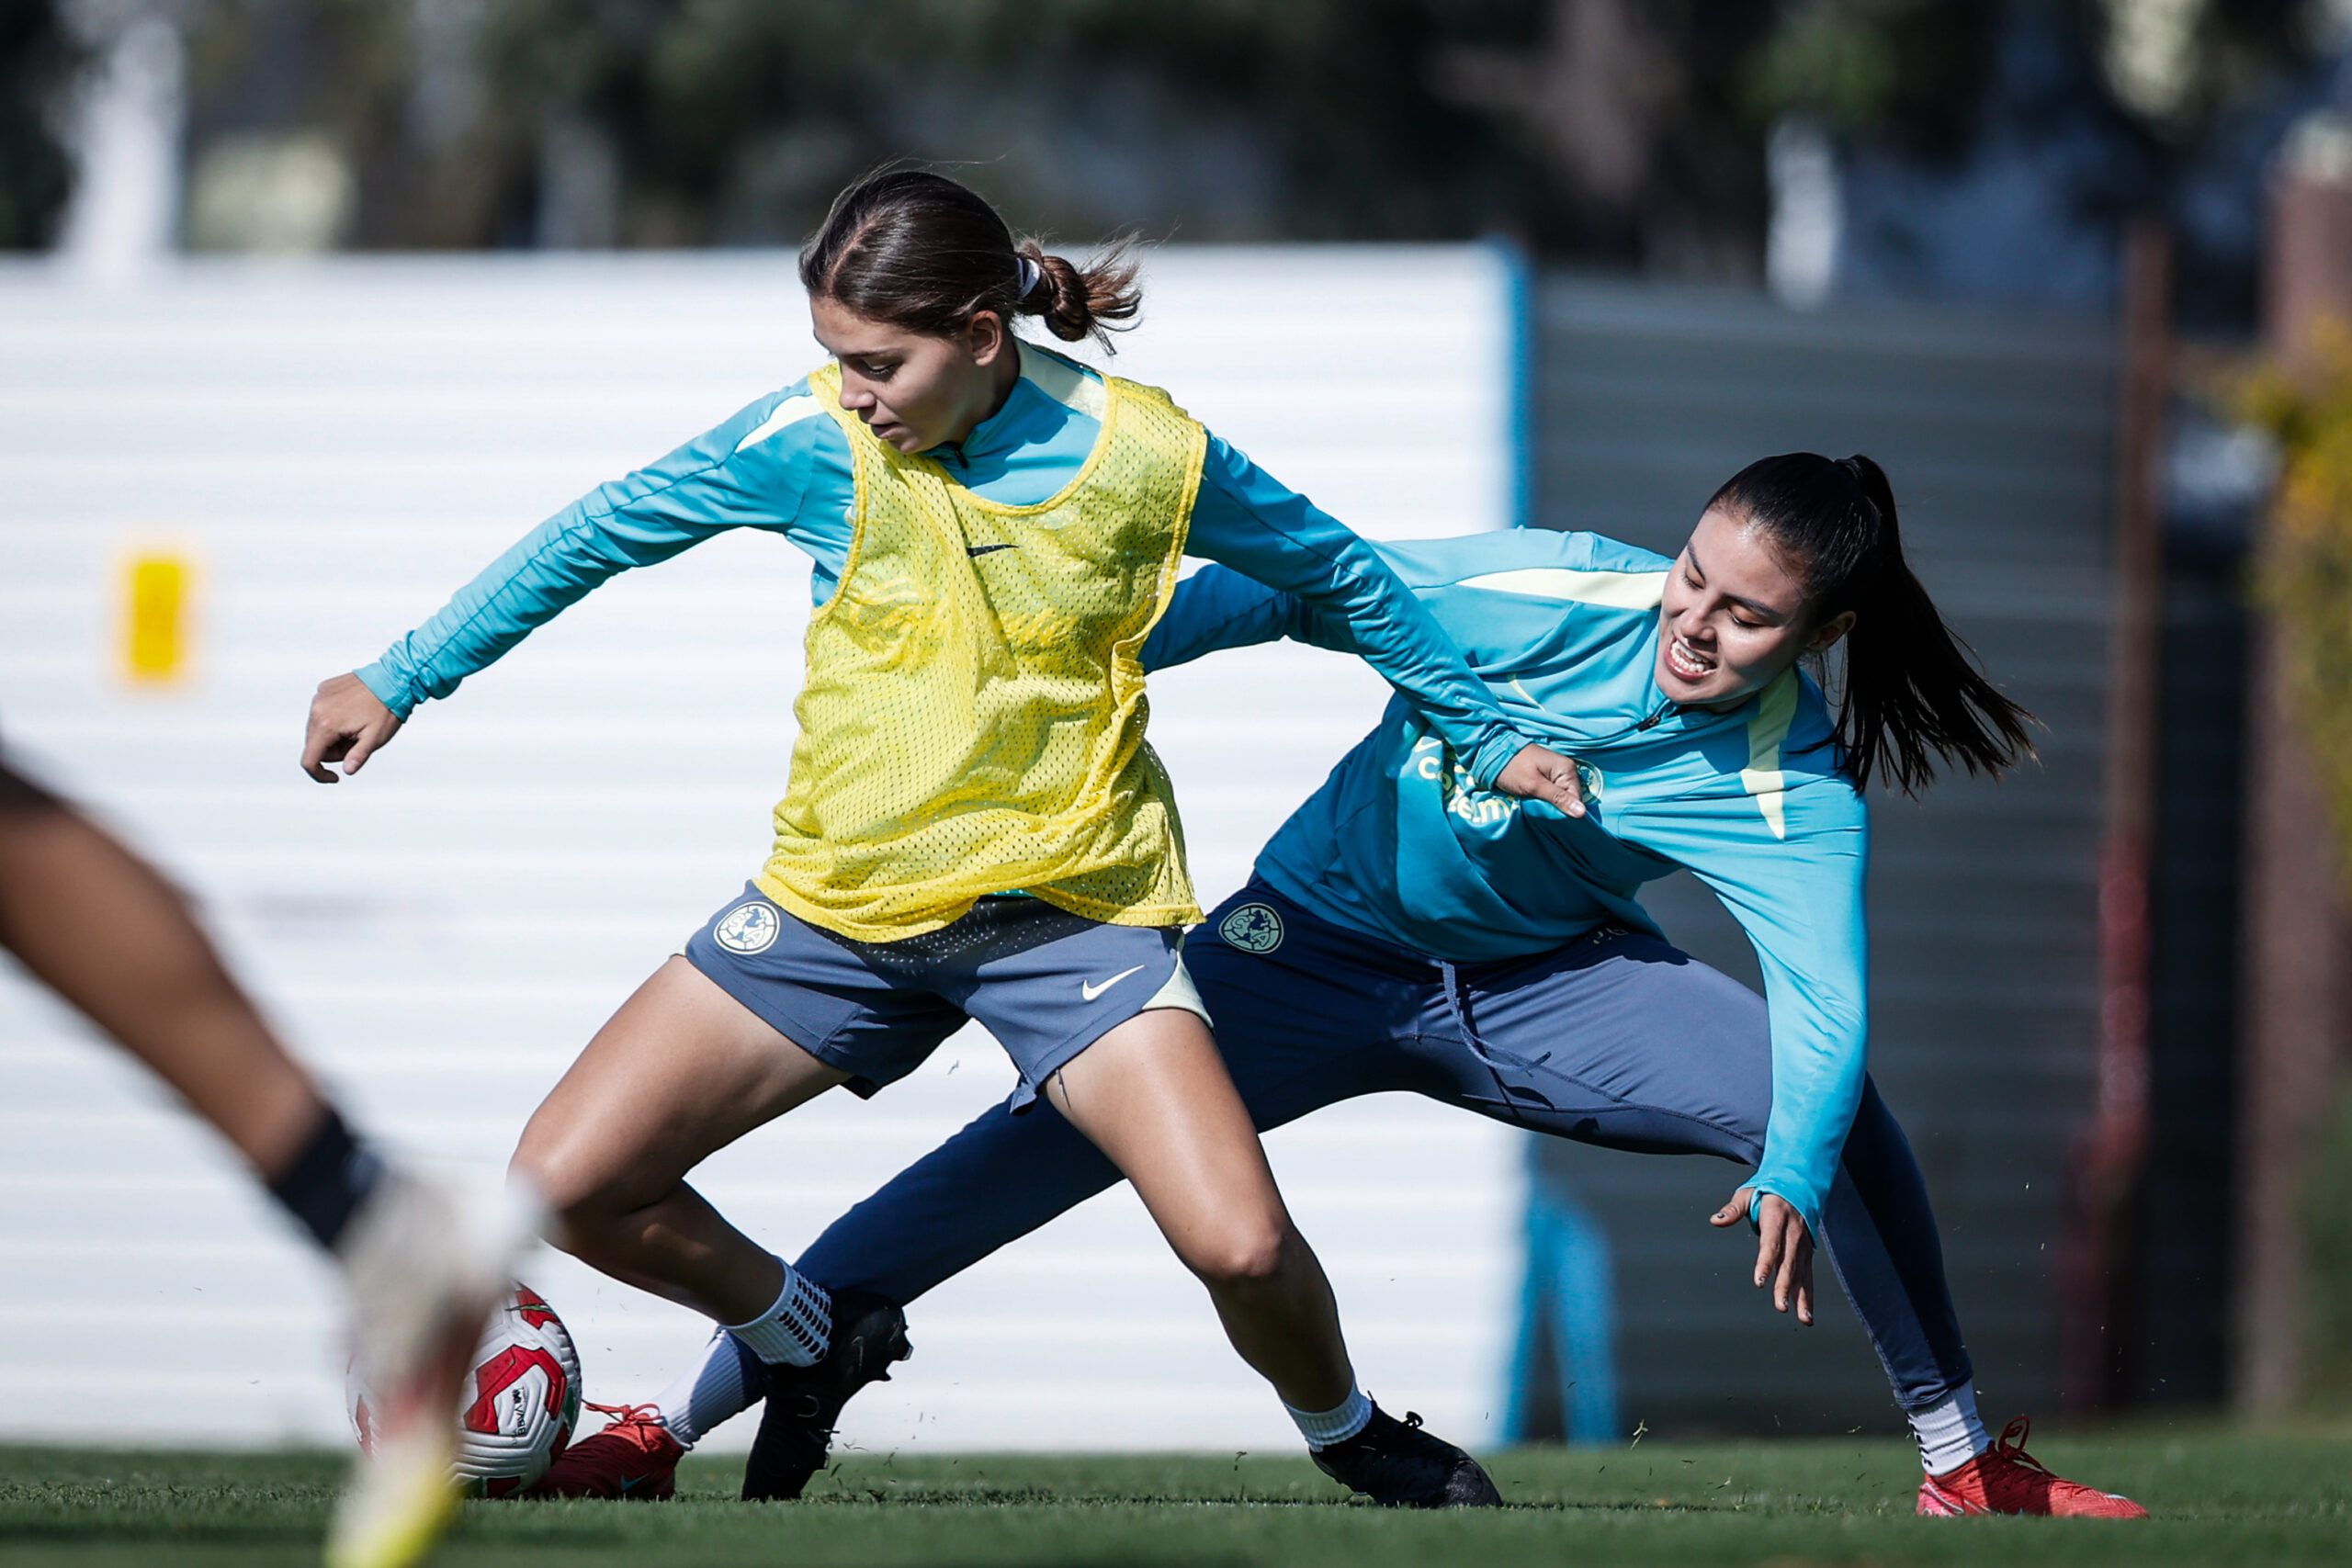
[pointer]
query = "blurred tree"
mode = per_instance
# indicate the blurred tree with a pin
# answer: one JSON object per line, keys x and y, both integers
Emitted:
{"x": 2204, "y": 89}
{"x": 2179, "y": 65}
{"x": 37, "y": 59}
{"x": 736, "y": 119}
{"x": 1617, "y": 131}
{"x": 393, "y": 91}
{"x": 2305, "y": 576}
{"x": 1912, "y": 74}
{"x": 1630, "y": 109}
{"x": 1629, "y": 133}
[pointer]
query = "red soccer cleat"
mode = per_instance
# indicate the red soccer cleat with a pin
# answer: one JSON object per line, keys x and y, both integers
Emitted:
{"x": 634, "y": 1456}
{"x": 2005, "y": 1479}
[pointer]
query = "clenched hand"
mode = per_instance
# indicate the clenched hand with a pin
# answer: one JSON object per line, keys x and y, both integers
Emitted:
{"x": 348, "y": 724}
{"x": 1538, "y": 772}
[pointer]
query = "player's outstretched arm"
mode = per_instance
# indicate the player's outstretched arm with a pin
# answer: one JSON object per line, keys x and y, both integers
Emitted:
{"x": 348, "y": 724}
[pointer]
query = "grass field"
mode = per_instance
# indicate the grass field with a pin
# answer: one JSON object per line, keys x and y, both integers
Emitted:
{"x": 2221, "y": 1497}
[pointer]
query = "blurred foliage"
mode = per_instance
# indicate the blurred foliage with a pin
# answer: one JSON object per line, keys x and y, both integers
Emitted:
{"x": 2306, "y": 565}
{"x": 433, "y": 169}
{"x": 1830, "y": 63}
{"x": 1913, "y": 73}
{"x": 1612, "y": 129}
{"x": 737, "y": 119}
{"x": 2222, "y": 51}
{"x": 1618, "y": 132}
{"x": 2306, "y": 579}
{"x": 37, "y": 59}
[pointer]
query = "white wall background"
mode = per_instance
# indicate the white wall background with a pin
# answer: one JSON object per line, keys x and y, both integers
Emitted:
{"x": 339, "y": 446}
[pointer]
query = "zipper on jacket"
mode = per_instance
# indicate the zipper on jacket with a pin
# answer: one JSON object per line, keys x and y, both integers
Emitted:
{"x": 1644, "y": 725}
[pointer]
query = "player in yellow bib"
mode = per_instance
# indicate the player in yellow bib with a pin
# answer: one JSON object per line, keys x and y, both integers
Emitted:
{"x": 974, "y": 712}
{"x": 974, "y": 827}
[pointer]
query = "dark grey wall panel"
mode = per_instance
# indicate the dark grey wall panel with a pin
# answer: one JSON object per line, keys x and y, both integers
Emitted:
{"x": 2174, "y": 1349}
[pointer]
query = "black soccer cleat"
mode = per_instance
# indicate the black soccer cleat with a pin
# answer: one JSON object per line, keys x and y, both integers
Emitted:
{"x": 803, "y": 1403}
{"x": 1397, "y": 1465}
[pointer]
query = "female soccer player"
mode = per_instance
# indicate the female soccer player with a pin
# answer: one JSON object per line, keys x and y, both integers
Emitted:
{"x": 1408, "y": 930}
{"x": 974, "y": 825}
{"x": 99, "y": 927}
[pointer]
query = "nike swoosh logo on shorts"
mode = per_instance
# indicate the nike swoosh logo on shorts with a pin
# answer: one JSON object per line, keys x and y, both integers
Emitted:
{"x": 984, "y": 549}
{"x": 1091, "y": 991}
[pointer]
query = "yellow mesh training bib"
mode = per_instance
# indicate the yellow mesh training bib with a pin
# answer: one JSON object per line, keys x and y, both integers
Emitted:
{"x": 973, "y": 719}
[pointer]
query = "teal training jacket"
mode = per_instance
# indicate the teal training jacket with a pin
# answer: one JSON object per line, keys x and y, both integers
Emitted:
{"x": 783, "y": 466}
{"x": 1402, "y": 843}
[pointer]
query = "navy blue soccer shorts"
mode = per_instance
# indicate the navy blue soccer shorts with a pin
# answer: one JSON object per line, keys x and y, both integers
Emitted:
{"x": 1616, "y": 1038}
{"x": 1045, "y": 982}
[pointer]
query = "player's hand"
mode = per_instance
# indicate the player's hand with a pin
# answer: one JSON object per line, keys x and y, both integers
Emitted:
{"x": 1538, "y": 772}
{"x": 1784, "y": 1249}
{"x": 348, "y": 724}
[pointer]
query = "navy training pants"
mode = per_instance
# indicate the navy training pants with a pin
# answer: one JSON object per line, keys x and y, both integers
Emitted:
{"x": 1618, "y": 1039}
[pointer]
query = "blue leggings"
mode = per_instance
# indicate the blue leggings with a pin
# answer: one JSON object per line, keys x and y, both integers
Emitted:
{"x": 1617, "y": 1039}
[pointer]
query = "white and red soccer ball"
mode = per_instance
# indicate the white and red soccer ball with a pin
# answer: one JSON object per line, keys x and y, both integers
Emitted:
{"x": 519, "y": 1404}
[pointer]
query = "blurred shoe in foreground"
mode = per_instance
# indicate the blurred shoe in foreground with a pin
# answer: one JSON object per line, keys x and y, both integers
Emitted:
{"x": 106, "y": 933}
{"x": 425, "y": 1272}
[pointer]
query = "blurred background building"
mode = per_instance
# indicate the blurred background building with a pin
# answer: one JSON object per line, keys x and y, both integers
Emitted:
{"x": 2012, "y": 248}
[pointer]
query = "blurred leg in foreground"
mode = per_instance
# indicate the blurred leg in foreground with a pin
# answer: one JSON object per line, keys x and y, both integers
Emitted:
{"x": 103, "y": 931}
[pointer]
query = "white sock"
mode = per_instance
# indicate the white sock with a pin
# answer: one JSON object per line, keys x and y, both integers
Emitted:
{"x": 1321, "y": 1428}
{"x": 1949, "y": 1433}
{"x": 797, "y": 1329}
{"x": 707, "y": 1392}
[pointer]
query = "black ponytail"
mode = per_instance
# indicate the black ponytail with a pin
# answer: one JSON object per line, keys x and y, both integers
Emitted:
{"x": 1913, "y": 692}
{"x": 921, "y": 251}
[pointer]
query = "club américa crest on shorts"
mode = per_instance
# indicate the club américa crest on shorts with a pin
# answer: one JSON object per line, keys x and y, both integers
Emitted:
{"x": 749, "y": 927}
{"x": 1252, "y": 928}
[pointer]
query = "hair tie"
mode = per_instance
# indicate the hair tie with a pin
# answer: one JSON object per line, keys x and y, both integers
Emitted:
{"x": 1031, "y": 275}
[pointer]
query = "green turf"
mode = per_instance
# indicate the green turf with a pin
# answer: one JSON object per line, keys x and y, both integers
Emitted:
{"x": 2221, "y": 1497}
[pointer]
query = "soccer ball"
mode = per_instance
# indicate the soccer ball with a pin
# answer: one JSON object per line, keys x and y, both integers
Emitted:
{"x": 518, "y": 1406}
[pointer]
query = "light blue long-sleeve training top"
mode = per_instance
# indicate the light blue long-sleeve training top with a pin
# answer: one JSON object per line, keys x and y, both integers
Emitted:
{"x": 782, "y": 464}
{"x": 1563, "y": 628}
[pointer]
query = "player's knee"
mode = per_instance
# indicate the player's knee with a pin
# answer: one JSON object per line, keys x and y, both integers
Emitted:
{"x": 593, "y": 1228}
{"x": 1243, "y": 1253}
{"x": 579, "y": 1188}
